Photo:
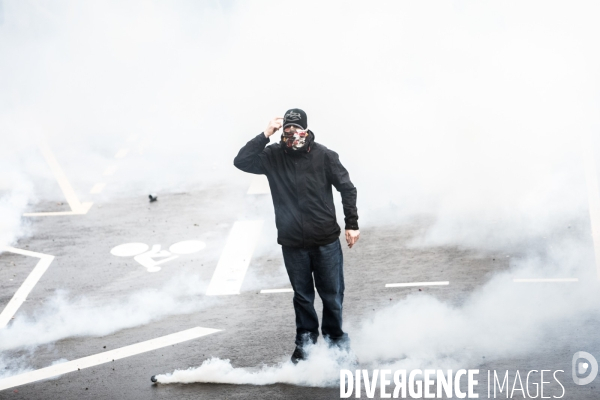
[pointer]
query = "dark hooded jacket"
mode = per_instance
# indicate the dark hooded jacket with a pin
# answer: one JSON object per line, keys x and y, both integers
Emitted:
{"x": 300, "y": 183}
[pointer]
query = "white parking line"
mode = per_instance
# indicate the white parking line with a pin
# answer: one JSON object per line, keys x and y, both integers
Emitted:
{"x": 233, "y": 264}
{"x": 98, "y": 187}
{"x": 121, "y": 153}
{"x": 105, "y": 357}
{"x": 417, "y": 284}
{"x": 33, "y": 278}
{"x": 593, "y": 189}
{"x": 77, "y": 208}
{"x": 290, "y": 290}
{"x": 83, "y": 211}
{"x": 259, "y": 185}
{"x": 535, "y": 280}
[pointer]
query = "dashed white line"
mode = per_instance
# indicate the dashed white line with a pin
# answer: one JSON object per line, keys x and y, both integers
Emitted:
{"x": 105, "y": 357}
{"x": 33, "y": 278}
{"x": 98, "y": 187}
{"x": 537, "y": 280}
{"x": 233, "y": 264}
{"x": 289, "y": 290}
{"x": 111, "y": 169}
{"x": 409, "y": 284}
{"x": 121, "y": 153}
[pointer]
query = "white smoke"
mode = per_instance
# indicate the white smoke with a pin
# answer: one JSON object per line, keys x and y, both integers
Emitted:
{"x": 467, "y": 112}
{"x": 63, "y": 317}
{"x": 464, "y": 111}
{"x": 12, "y": 205}
{"x": 320, "y": 369}
{"x": 501, "y": 319}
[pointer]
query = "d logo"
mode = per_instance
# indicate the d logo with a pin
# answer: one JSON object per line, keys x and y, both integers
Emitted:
{"x": 581, "y": 367}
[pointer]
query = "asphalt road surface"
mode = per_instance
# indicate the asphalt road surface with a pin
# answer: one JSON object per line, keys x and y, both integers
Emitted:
{"x": 254, "y": 328}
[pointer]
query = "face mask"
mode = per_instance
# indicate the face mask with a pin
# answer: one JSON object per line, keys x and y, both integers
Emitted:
{"x": 294, "y": 138}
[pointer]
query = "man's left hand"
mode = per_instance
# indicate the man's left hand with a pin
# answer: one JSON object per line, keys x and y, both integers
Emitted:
{"x": 352, "y": 237}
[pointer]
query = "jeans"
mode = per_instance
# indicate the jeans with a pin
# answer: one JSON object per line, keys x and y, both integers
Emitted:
{"x": 326, "y": 263}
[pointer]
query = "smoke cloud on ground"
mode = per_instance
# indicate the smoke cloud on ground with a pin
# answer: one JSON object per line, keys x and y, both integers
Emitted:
{"x": 499, "y": 320}
{"x": 63, "y": 317}
{"x": 12, "y": 206}
{"x": 321, "y": 369}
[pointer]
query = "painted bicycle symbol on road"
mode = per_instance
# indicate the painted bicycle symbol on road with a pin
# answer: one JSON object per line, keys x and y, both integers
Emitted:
{"x": 151, "y": 258}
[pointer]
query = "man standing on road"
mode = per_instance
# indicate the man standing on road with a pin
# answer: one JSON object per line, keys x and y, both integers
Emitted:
{"x": 301, "y": 173}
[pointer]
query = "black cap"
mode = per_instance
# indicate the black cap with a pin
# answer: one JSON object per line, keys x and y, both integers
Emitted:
{"x": 295, "y": 116}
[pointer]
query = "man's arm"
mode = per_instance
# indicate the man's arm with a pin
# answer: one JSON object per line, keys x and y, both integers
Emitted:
{"x": 252, "y": 158}
{"x": 340, "y": 179}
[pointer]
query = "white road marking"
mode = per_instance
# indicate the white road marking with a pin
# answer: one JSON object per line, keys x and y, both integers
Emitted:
{"x": 121, "y": 153}
{"x": 111, "y": 169}
{"x": 77, "y": 208}
{"x": 147, "y": 259}
{"x": 84, "y": 211}
{"x": 129, "y": 249}
{"x": 187, "y": 247}
{"x": 259, "y": 185}
{"x": 417, "y": 284}
{"x": 31, "y": 280}
{"x": 98, "y": 187}
{"x": 546, "y": 280}
{"x": 233, "y": 264}
{"x": 593, "y": 188}
{"x": 290, "y": 290}
{"x": 105, "y": 357}
{"x": 140, "y": 253}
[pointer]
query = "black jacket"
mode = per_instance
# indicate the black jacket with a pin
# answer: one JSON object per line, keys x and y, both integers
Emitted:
{"x": 300, "y": 185}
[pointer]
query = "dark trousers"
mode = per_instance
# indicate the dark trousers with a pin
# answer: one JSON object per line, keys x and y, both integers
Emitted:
{"x": 326, "y": 264}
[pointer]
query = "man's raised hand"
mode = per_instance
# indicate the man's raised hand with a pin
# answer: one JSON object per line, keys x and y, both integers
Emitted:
{"x": 274, "y": 125}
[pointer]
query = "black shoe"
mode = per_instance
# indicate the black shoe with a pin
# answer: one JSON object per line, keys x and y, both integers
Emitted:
{"x": 298, "y": 355}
